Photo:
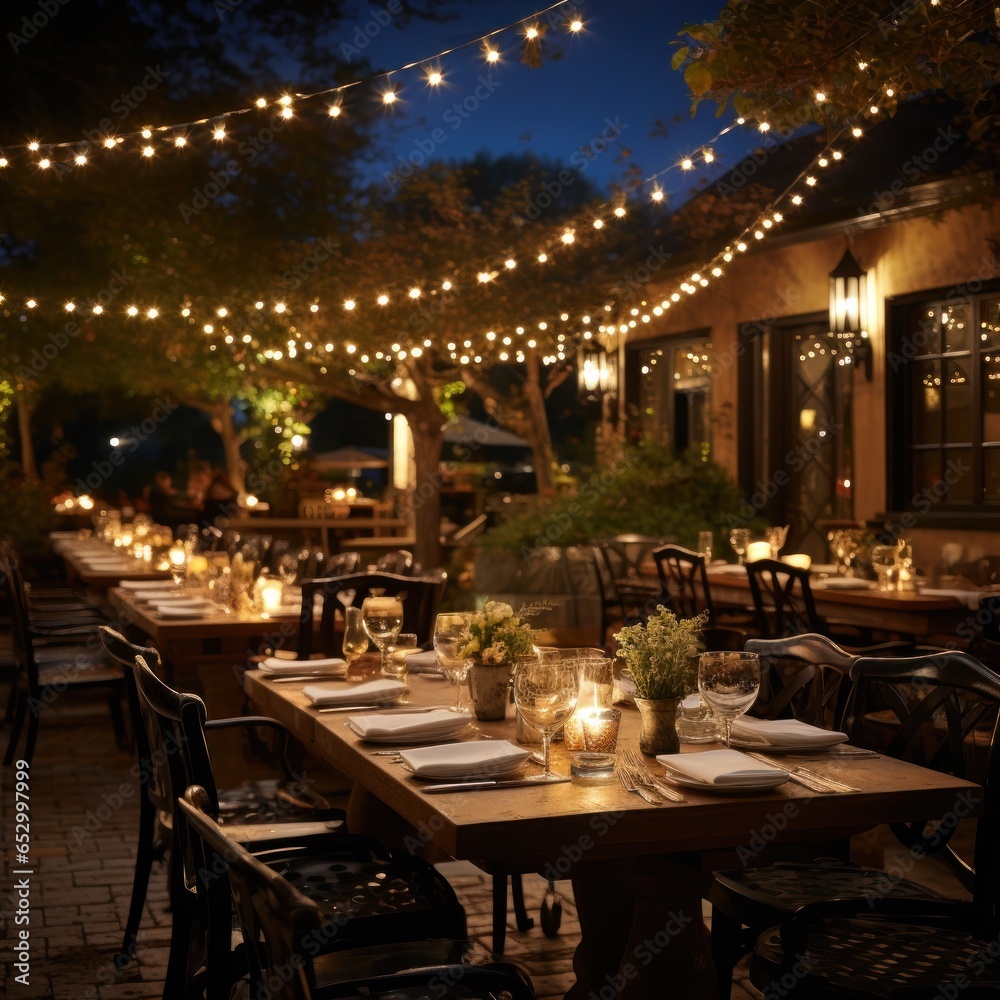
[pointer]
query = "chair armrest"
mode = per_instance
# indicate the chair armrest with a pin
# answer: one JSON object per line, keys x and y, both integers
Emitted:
{"x": 258, "y": 722}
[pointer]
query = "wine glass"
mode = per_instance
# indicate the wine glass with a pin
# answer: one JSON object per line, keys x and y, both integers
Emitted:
{"x": 450, "y": 631}
{"x": 288, "y": 568}
{"x": 739, "y": 539}
{"x": 776, "y": 538}
{"x": 884, "y": 563}
{"x": 382, "y": 618}
{"x": 546, "y": 692}
{"x": 355, "y": 637}
{"x": 729, "y": 682}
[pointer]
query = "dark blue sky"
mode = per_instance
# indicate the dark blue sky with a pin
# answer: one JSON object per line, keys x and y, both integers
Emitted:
{"x": 616, "y": 71}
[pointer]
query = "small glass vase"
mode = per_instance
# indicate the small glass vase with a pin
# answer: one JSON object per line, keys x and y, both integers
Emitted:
{"x": 490, "y": 688}
{"x": 659, "y": 730}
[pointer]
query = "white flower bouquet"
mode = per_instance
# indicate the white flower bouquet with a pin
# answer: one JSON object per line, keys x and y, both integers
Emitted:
{"x": 496, "y": 635}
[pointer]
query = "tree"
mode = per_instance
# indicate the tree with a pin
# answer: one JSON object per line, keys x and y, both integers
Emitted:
{"x": 792, "y": 64}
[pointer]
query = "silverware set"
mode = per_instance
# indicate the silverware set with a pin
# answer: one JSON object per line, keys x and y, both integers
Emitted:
{"x": 808, "y": 779}
{"x": 634, "y": 776}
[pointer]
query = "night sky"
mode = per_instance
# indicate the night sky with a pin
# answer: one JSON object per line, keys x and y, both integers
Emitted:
{"x": 616, "y": 71}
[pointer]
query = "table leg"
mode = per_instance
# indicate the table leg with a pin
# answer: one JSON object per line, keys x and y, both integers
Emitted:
{"x": 642, "y": 934}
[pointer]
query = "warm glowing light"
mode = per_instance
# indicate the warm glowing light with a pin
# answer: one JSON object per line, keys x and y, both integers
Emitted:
{"x": 152, "y": 313}
{"x": 763, "y": 127}
{"x": 687, "y": 163}
{"x": 862, "y": 66}
{"x": 567, "y": 236}
{"x": 741, "y": 247}
{"x": 874, "y": 109}
{"x": 889, "y": 92}
{"x": 31, "y": 303}
{"x": 97, "y": 310}
{"x": 280, "y": 307}
{"x": 180, "y": 142}
{"x": 531, "y": 32}
{"x": 80, "y": 160}
{"x": 542, "y": 258}
{"x": 33, "y": 146}
{"x": 287, "y": 113}
{"x": 147, "y": 133}
{"x": 434, "y": 78}
{"x": 820, "y": 97}
{"x": 383, "y": 300}
{"x": 797, "y": 199}
{"x": 856, "y": 132}
{"x": 258, "y": 305}
{"x": 261, "y": 102}
{"x": 811, "y": 181}
{"x": 657, "y": 195}
{"x": 349, "y": 304}
{"x": 208, "y": 328}
{"x": 148, "y": 151}
{"x": 620, "y": 212}
{"x": 708, "y": 156}
{"x": 109, "y": 143}
{"x": 510, "y": 263}
{"x": 219, "y": 133}
{"x": 335, "y": 111}
{"x": 132, "y": 311}
{"x": 69, "y": 306}
{"x": 446, "y": 286}
{"x": 576, "y": 24}
{"x": 598, "y": 223}
{"x": 414, "y": 293}
{"x": 314, "y": 308}
{"x": 484, "y": 277}
{"x": 389, "y": 96}
{"x": 45, "y": 163}
{"x": 492, "y": 55}
{"x": 284, "y": 100}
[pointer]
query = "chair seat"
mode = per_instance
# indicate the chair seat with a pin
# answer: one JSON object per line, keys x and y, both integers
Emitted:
{"x": 757, "y": 895}
{"x": 267, "y": 801}
{"x": 68, "y": 671}
{"x": 882, "y": 957}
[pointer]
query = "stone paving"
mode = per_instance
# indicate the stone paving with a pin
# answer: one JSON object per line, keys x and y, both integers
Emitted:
{"x": 82, "y": 846}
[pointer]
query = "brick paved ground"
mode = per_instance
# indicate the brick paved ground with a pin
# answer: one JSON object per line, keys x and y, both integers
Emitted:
{"x": 82, "y": 855}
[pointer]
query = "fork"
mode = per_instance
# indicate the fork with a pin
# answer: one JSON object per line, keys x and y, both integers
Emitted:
{"x": 629, "y": 781}
{"x": 645, "y": 777}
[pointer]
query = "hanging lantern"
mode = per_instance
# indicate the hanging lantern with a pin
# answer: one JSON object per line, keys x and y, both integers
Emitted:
{"x": 592, "y": 372}
{"x": 849, "y": 312}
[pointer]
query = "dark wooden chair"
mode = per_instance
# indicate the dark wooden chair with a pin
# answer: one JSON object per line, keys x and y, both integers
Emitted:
{"x": 421, "y": 597}
{"x": 327, "y": 909}
{"x": 939, "y": 711}
{"x": 399, "y": 562}
{"x": 53, "y": 657}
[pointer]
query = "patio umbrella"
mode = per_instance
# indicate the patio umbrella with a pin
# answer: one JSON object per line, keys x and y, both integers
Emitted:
{"x": 473, "y": 433}
{"x": 350, "y": 458}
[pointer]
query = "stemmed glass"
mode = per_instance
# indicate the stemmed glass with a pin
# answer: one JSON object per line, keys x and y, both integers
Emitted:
{"x": 546, "y": 692}
{"x": 845, "y": 547}
{"x": 739, "y": 539}
{"x": 355, "y": 637}
{"x": 288, "y": 568}
{"x": 450, "y": 631}
{"x": 884, "y": 563}
{"x": 382, "y": 618}
{"x": 776, "y": 538}
{"x": 729, "y": 682}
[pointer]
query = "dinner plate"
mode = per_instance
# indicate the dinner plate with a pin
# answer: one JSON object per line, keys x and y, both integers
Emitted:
{"x": 761, "y": 747}
{"x": 683, "y": 781}
{"x": 842, "y": 583}
{"x": 170, "y": 611}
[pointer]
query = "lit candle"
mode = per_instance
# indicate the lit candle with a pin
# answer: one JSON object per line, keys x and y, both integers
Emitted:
{"x": 800, "y": 560}
{"x": 177, "y": 554}
{"x": 270, "y": 596}
{"x": 758, "y": 550}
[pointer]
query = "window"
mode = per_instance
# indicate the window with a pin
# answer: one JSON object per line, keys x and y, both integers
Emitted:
{"x": 944, "y": 361}
{"x": 673, "y": 381}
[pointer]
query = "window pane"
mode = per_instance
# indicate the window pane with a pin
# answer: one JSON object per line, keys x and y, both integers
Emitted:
{"x": 991, "y": 475}
{"x": 958, "y": 475}
{"x": 924, "y": 335}
{"x": 958, "y": 401}
{"x": 989, "y": 324}
{"x": 926, "y": 471}
{"x": 956, "y": 327}
{"x": 990, "y": 370}
{"x": 927, "y": 402}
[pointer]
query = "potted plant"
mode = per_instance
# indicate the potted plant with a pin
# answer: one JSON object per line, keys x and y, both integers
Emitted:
{"x": 661, "y": 656}
{"x": 495, "y": 637}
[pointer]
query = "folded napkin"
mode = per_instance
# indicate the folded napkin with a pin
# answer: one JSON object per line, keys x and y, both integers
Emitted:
{"x": 785, "y": 732}
{"x": 274, "y": 665}
{"x": 970, "y": 598}
{"x": 143, "y": 584}
{"x": 428, "y": 725}
{"x": 424, "y": 662}
{"x": 465, "y": 760}
{"x": 371, "y": 692}
{"x": 199, "y": 608}
{"x": 720, "y": 767}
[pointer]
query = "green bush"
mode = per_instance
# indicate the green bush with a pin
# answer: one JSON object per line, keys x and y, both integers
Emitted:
{"x": 649, "y": 491}
{"x": 26, "y": 514}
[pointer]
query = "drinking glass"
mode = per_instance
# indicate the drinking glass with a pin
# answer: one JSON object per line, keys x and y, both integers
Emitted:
{"x": 884, "y": 564}
{"x": 382, "y": 618}
{"x": 546, "y": 693}
{"x": 288, "y": 568}
{"x": 705, "y": 545}
{"x": 355, "y": 636}
{"x": 739, "y": 539}
{"x": 729, "y": 683}
{"x": 450, "y": 631}
{"x": 776, "y": 538}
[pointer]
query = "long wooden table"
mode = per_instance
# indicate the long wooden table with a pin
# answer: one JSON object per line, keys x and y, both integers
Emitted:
{"x": 373, "y": 532}
{"x": 635, "y": 866}
{"x": 102, "y": 578}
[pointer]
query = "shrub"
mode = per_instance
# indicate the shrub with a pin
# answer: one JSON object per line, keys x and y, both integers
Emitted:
{"x": 649, "y": 491}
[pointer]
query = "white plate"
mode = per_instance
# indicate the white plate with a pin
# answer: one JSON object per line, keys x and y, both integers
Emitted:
{"x": 466, "y": 761}
{"x": 682, "y": 781}
{"x": 738, "y": 744}
{"x": 172, "y": 612}
{"x": 492, "y": 776}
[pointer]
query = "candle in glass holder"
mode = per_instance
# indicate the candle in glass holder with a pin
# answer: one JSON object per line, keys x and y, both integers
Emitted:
{"x": 270, "y": 592}
{"x": 599, "y": 741}
{"x": 800, "y": 560}
{"x": 758, "y": 550}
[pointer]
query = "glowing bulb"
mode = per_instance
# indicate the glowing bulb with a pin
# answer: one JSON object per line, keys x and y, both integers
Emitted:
{"x": 109, "y": 143}
{"x": 97, "y": 310}
{"x": 258, "y": 305}
{"x": 874, "y": 109}
{"x": 33, "y": 146}
{"x": 823, "y": 161}
{"x": 80, "y": 160}
{"x": 657, "y": 195}
{"x": 132, "y": 311}
{"x": 148, "y": 151}
{"x": 567, "y": 237}
{"x": 820, "y": 97}
{"x": 147, "y": 133}
{"x": 708, "y": 156}
{"x": 383, "y": 300}
{"x": 492, "y": 55}
{"x": 889, "y": 92}
{"x": 484, "y": 277}
{"x": 620, "y": 212}
{"x": 811, "y": 181}
{"x": 576, "y": 24}
{"x": 510, "y": 263}
{"x": 314, "y": 308}
{"x": 284, "y": 100}
{"x": 797, "y": 199}
{"x": 758, "y": 235}
{"x": 687, "y": 163}
{"x": 69, "y": 306}
{"x": 261, "y": 102}
{"x": 837, "y": 154}
{"x": 349, "y": 304}
{"x": 280, "y": 307}
{"x": 446, "y": 286}
{"x": 180, "y": 142}
{"x": 531, "y": 32}
{"x": 763, "y": 126}
{"x": 414, "y": 293}
{"x": 741, "y": 247}
{"x": 45, "y": 163}
{"x": 208, "y": 328}
{"x": 542, "y": 258}
{"x": 334, "y": 111}
{"x": 716, "y": 272}
{"x": 434, "y": 78}
{"x": 777, "y": 217}
{"x": 862, "y": 66}
{"x": 389, "y": 96}
{"x": 598, "y": 223}
{"x": 287, "y": 113}
{"x": 31, "y": 303}
{"x": 856, "y": 132}
{"x": 152, "y": 313}
{"x": 219, "y": 133}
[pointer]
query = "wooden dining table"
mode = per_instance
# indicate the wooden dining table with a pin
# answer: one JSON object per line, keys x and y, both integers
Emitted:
{"x": 597, "y": 831}
{"x": 98, "y": 578}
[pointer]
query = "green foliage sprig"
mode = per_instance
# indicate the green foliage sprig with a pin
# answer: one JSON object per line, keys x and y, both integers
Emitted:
{"x": 496, "y": 635}
{"x": 661, "y": 654}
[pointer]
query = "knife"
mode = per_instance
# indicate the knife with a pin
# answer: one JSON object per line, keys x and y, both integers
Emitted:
{"x": 383, "y": 709}
{"x": 474, "y": 786}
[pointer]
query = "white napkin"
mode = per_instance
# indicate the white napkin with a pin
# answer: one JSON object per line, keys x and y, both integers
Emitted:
{"x": 785, "y": 732}
{"x": 424, "y": 662}
{"x": 371, "y": 692}
{"x": 970, "y": 598}
{"x": 275, "y": 666}
{"x": 729, "y": 568}
{"x": 143, "y": 584}
{"x": 720, "y": 767}
{"x": 409, "y": 726}
{"x": 183, "y": 610}
{"x": 465, "y": 760}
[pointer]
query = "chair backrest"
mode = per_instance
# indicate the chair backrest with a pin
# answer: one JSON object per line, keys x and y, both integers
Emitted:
{"x": 421, "y": 597}
{"x": 154, "y": 774}
{"x": 939, "y": 711}
{"x": 341, "y": 564}
{"x": 782, "y": 599}
{"x": 345, "y": 894}
{"x": 399, "y": 562}
{"x": 804, "y": 677}
{"x": 683, "y": 581}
